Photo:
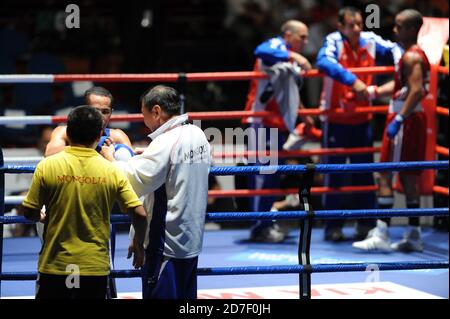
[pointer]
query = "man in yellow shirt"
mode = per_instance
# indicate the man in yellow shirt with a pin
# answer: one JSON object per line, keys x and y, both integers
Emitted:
{"x": 101, "y": 99}
{"x": 78, "y": 188}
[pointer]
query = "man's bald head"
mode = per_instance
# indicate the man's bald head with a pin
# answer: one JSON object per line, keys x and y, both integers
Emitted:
{"x": 295, "y": 33}
{"x": 293, "y": 26}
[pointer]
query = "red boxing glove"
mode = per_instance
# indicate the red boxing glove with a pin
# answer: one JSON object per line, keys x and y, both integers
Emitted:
{"x": 315, "y": 133}
{"x": 300, "y": 129}
{"x": 311, "y": 133}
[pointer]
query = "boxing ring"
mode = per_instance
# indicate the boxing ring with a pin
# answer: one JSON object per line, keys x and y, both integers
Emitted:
{"x": 304, "y": 269}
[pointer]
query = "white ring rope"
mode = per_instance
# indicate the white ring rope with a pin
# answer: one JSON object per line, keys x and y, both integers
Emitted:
{"x": 54, "y": 119}
{"x": 30, "y": 119}
{"x": 14, "y": 200}
{"x": 27, "y": 78}
{"x": 29, "y": 160}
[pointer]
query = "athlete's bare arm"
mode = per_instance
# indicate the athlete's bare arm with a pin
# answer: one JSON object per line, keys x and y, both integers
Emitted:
{"x": 413, "y": 67}
{"x": 119, "y": 137}
{"x": 386, "y": 89}
{"x": 58, "y": 141}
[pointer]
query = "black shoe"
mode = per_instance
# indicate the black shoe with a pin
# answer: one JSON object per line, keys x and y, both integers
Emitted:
{"x": 271, "y": 234}
{"x": 441, "y": 223}
{"x": 334, "y": 235}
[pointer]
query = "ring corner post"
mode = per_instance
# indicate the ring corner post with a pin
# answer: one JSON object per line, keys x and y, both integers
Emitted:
{"x": 2, "y": 211}
{"x": 305, "y": 183}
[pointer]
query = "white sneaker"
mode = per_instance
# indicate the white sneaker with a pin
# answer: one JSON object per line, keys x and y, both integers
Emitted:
{"x": 377, "y": 239}
{"x": 294, "y": 142}
{"x": 212, "y": 226}
{"x": 412, "y": 241}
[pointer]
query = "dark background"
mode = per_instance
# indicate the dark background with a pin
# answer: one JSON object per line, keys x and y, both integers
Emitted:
{"x": 180, "y": 36}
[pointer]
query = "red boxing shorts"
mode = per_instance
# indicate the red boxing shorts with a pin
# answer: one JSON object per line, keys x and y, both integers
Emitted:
{"x": 410, "y": 142}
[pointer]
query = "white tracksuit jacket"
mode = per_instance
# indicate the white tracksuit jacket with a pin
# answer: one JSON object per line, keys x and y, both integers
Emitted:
{"x": 172, "y": 175}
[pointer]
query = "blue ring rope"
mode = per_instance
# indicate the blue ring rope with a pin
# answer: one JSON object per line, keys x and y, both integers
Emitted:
{"x": 295, "y": 269}
{"x": 329, "y": 168}
{"x": 292, "y": 169}
{"x": 281, "y": 269}
{"x": 328, "y": 214}
{"x": 319, "y": 214}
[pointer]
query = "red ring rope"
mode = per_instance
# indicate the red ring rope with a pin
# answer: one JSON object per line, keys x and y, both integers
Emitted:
{"x": 301, "y": 153}
{"x": 283, "y": 192}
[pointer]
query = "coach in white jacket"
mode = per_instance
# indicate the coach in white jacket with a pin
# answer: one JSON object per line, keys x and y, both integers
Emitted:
{"x": 172, "y": 174}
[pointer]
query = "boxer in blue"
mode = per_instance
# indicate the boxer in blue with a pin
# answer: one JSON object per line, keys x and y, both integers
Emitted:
{"x": 101, "y": 99}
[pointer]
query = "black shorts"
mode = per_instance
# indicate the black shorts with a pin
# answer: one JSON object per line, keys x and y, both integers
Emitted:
{"x": 169, "y": 278}
{"x": 56, "y": 287}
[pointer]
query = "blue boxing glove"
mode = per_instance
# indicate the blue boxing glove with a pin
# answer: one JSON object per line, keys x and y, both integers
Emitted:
{"x": 122, "y": 152}
{"x": 395, "y": 126}
{"x": 102, "y": 140}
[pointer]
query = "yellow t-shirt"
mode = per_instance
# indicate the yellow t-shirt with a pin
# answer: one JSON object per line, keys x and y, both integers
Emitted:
{"x": 445, "y": 54}
{"x": 78, "y": 188}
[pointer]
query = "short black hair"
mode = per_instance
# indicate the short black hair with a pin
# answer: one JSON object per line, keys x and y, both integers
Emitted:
{"x": 98, "y": 90}
{"x": 347, "y": 10}
{"x": 413, "y": 19}
{"x": 166, "y": 97}
{"x": 84, "y": 125}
